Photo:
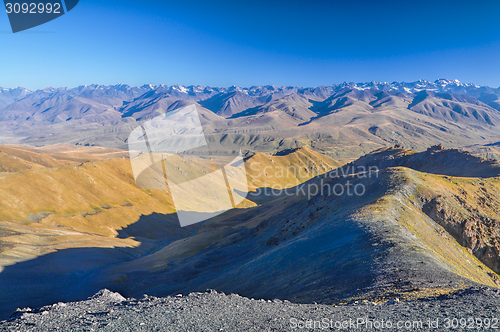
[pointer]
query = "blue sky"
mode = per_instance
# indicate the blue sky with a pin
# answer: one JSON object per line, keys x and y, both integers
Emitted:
{"x": 221, "y": 43}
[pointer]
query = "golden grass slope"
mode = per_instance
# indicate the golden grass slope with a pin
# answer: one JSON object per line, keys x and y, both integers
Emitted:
{"x": 56, "y": 194}
{"x": 20, "y": 158}
{"x": 14, "y": 159}
{"x": 288, "y": 170}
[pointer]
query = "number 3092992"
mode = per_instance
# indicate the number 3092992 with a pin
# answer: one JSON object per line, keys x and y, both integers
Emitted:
{"x": 33, "y": 8}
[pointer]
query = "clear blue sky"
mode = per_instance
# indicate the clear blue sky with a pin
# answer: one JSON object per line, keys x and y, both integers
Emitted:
{"x": 221, "y": 43}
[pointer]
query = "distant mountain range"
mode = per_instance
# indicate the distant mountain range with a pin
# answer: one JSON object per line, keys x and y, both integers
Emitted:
{"x": 344, "y": 120}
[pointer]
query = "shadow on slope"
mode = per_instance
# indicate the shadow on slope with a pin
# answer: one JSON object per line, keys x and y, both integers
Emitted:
{"x": 255, "y": 252}
{"x": 325, "y": 249}
{"x": 301, "y": 246}
{"x": 67, "y": 275}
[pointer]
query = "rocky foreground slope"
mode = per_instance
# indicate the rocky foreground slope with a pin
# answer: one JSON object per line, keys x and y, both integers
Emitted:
{"x": 472, "y": 308}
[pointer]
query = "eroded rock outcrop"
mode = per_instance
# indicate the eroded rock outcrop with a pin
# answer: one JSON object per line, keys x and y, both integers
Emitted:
{"x": 474, "y": 230}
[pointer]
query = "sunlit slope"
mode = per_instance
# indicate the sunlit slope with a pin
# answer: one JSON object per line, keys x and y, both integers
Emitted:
{"x": 52, "y": 209}
{"x": 289, "y": 169}
{"x": 20, "y": 158}
{"x": 81, "y": 153}
{"x": 83, "y": 196}
{"x": 15, "y": 159}
{"x": 98, "y": 197}
{"x": 65, "y": 201}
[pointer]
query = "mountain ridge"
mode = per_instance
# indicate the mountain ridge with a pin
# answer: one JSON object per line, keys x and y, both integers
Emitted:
{"x": 345, "y": 120}
{"x": 416, "y": 86}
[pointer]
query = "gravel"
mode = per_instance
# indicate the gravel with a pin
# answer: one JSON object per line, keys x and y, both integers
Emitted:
{"x": 470, "y": 309}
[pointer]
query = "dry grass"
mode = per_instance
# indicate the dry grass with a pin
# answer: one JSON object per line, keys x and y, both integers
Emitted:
{"x": 94, "y": 199}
